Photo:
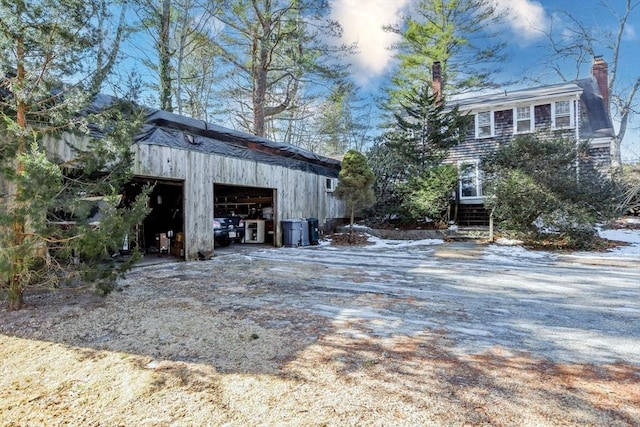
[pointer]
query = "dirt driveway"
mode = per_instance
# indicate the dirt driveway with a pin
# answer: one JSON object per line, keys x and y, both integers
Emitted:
{"x": 452, "y": 335}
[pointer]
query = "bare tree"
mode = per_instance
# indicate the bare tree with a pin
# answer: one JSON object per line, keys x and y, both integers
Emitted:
{"x": 107, "y": 49}
{"x": 574, "y": 44}
{"x": 274, "y": 50}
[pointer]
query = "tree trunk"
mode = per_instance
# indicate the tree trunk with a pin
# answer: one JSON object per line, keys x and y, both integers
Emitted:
{"x": 260, "y": 86}
{"x": 616, "y": 156}
{"x": 16, "y": 277}
{"x": 165, "y": 57}
{"x": 625, "y": 110}
{"x": 351, "y": 224}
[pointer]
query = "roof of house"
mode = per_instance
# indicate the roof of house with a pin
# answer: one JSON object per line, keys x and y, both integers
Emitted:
{"x": 181, "y": 132}
{"x": 596, "y": 122}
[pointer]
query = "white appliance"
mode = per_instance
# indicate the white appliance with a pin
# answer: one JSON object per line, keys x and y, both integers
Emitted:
{"x": 254, "y": 230}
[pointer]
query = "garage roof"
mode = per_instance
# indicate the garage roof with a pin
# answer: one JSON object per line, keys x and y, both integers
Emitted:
{"x": 180, "y": 132}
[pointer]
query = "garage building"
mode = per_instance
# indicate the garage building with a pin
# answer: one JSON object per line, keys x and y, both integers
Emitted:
{"x": 200, "y": 170}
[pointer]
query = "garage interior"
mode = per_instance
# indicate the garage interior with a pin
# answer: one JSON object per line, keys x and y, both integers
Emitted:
{"x": 254, "y": 204}
{"x": 162, "y": 231}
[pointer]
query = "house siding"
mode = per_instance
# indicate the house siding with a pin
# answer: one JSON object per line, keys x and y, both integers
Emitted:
{"x": 474, "y": 149}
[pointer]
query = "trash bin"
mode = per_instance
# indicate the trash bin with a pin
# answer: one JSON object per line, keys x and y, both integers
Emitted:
{"x": 291, "y": 232}
{"x": 304, "y": 238}
{"x": 314, "y": 233}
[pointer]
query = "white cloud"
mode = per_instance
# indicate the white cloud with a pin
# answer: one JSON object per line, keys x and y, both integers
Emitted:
{"x": 630, "y": 32}
{"x": 526, "y": 18}
{"x": 362, "y": 22}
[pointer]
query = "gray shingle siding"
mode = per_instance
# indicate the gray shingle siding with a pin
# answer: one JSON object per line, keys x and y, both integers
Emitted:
{"x": 589, "y": 120}
{"x": 589, "y": 116}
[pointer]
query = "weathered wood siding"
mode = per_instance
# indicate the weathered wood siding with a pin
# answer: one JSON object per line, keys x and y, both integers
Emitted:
{"x": 298, "y": 194}
{"x": 473, "y": 148}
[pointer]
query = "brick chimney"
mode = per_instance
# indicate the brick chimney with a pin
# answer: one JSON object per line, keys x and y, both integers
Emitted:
{"x": 436, "y": 85}
{"x": 600, "y": 72}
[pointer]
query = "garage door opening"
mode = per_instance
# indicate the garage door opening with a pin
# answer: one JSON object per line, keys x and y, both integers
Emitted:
{"x": 162, "y": 231}
{"x": 254, "y": 206}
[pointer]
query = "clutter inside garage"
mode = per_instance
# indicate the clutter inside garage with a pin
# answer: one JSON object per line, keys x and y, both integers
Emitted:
{"x": 162, "y": 231}
{"x": 254, "y": 205}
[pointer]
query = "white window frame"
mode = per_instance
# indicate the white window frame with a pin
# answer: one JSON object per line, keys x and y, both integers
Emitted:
{"x": 571, "y": 115}
{"x": 491, "y": 124}
{"x": 531, "y": 119}
{"x": 477, "y": 179}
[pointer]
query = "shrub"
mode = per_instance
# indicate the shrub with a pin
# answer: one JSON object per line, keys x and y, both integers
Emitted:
{"x": 538, "y": 186}
{"x": 429, "y": 194}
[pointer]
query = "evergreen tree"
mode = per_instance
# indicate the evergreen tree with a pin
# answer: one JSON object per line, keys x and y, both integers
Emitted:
{"x": 408, "y": 159}
{"x": 460, "y": 34}
{"x": 46, "y": 202}
{"x": 355, "y": 185}
{"x": 342, "y": 120}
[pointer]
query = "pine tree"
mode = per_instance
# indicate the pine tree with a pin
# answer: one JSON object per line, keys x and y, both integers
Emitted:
{"x": 41, "y": 44}
{"x": 459, "y": 34}
{"x": 355, "y": 185}
{"x": 408, "y": 159}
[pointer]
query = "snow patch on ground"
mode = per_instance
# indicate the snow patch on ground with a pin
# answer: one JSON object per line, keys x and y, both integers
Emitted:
{"x": 514, "y": 254}
{"x": 379, "y": 243}
{"x": 510, "y": 250}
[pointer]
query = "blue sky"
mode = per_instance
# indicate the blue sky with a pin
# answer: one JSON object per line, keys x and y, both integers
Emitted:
{"x": 362, "y": 21}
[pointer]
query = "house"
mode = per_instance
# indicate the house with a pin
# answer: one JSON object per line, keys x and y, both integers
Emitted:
{"x": 200, "y": 170}
{"x": 577, "y": 110}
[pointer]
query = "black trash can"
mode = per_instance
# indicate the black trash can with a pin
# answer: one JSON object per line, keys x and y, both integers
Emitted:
{"x": 314, "y": 232}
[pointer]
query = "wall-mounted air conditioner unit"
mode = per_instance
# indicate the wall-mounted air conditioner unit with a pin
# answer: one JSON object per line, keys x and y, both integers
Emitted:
{"x": 331, "y": 184}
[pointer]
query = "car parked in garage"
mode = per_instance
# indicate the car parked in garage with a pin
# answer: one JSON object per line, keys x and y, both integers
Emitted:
{"x": 238, "y": 224}
{"x": 224, "y": 232}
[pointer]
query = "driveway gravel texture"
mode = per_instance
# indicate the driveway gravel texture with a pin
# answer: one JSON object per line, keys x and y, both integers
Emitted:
{"x": 398, "y": 333}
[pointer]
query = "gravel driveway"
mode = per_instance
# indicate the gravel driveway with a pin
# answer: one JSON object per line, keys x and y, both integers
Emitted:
{"x": 400, "y": 333}
{"x": 561, "y": 308}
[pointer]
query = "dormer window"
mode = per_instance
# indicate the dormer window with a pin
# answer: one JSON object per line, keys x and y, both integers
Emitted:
{"x": 484, "y": 124}
{"x": 523, "y": 119}
{"x": 562, "y": 114}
